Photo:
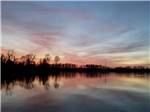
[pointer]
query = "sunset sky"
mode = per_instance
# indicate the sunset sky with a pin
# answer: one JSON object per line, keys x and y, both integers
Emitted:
{"x": 112, "y": 33}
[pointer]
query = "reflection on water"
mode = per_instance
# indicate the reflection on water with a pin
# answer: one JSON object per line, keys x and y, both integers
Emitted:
{"x": 76, "y": 92}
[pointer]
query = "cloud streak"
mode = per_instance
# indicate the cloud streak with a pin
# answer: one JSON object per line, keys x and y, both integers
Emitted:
{"x": 90, "y": 32}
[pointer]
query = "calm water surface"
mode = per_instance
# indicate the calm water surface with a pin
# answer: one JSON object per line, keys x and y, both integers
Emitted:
{"x": 78, "y": 93}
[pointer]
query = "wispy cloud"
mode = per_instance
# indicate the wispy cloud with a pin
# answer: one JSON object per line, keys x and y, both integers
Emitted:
{"x": 90, "y": 32}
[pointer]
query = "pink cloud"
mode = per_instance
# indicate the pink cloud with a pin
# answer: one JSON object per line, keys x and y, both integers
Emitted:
{"x": 45, "y": 39}
{"x": 87, "y": 59}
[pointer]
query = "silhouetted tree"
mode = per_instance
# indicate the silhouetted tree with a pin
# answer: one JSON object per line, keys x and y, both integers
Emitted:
{"x": 23, "y": 60}
{"x": 46, "y": 59}
{"x": 29, "y": 59}
{"x": 3, "y": 58}
{"x": 56, "y": 59}
{"x": 11, "y": 55}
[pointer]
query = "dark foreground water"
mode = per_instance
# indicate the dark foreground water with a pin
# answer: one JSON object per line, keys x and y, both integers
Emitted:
{"x": 78, "y": 93}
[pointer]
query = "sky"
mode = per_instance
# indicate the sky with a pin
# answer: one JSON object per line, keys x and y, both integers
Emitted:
{"x": 107, "y": 33}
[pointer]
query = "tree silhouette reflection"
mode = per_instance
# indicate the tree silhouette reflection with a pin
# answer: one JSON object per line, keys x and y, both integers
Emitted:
{"x": 27, "y": 81}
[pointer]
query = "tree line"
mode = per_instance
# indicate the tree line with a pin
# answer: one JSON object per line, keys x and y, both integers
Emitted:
{"x": 28, "y": 63}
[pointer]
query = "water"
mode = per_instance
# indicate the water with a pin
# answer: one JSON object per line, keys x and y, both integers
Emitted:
{"x": 77, "y": 93}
